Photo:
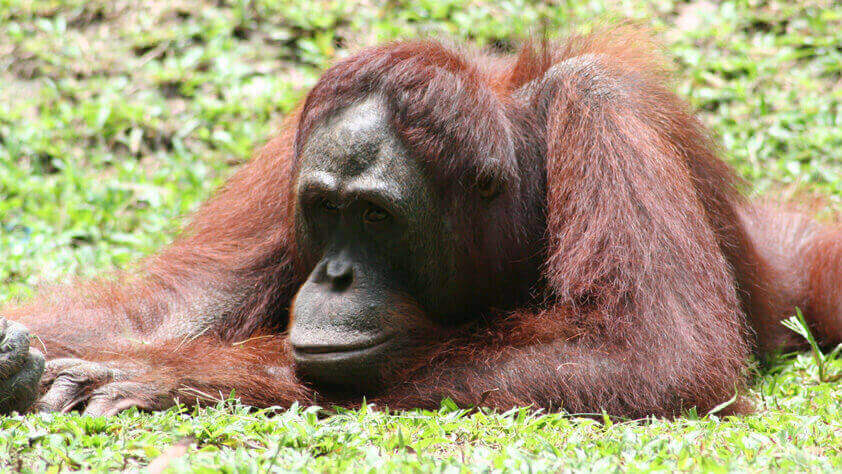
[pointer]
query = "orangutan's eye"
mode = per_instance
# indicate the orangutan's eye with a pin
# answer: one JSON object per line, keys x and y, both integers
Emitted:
{"x": 375, "y": 214}
{"x": 329, "y": 205}
{"x": 488, "y": 188}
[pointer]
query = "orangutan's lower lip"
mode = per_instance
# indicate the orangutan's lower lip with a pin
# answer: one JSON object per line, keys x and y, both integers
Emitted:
{"x": 330, "y": 350}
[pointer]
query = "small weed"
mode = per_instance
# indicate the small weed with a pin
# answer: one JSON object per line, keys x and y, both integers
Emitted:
{"x": 798, "y": 324}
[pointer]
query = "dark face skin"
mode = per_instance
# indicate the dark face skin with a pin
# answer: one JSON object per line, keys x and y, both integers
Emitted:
{"x": 384, "y": 261}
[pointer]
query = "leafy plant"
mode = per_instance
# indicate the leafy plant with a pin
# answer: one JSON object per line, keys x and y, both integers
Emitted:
{"x": 798, "y": 324}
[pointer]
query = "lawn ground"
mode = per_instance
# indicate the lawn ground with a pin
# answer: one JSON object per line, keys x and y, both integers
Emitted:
{"x": 119, "y": 117}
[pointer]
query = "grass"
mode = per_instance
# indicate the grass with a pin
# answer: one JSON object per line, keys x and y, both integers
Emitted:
{"x": 117, "y": 119}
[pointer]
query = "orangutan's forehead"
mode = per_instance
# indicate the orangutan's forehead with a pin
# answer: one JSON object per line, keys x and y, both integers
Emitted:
{"x": 352, "y": 139}
{"x": 357, "y": 147}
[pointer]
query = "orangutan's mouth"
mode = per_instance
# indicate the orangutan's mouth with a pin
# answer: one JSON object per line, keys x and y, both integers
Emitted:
{"x": 326, "y": 352}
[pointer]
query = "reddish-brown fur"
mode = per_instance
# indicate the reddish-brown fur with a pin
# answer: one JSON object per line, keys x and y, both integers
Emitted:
{"x": 658, "y": 279}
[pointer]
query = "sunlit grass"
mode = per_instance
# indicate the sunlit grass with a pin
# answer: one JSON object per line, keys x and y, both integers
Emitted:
{"x": 117, "y": 119}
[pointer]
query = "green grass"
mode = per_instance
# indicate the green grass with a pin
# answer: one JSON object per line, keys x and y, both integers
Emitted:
{"x": 116, "y": 120}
